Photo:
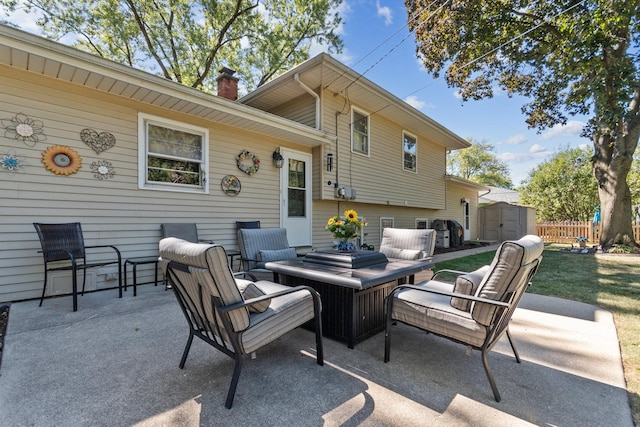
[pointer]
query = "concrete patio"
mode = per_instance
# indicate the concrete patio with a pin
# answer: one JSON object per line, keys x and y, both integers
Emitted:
{"x": 114, "y": 362}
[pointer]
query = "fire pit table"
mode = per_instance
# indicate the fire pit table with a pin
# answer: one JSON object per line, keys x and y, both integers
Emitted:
{"x": 352, "y": 286}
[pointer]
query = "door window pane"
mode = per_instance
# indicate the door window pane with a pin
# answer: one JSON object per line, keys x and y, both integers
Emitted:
{"x": 297, "y": 188}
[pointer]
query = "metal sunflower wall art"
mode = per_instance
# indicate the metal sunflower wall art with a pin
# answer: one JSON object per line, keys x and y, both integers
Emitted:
{"x": 23, "y": 128}
{"x": 61, "y": 160}
{"x": 102, "y": 169}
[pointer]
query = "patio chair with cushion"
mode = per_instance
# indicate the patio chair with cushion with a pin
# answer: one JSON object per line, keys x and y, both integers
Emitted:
{"x": 477, "y": 308}
{"x": 261, "y": 245}
{"x": 63, "y": 245}
{"x": 247, "y": 224}
{"x": 182, "y": 230}
{"x": 409, "y": 244}
{"x": 235, "y": 316}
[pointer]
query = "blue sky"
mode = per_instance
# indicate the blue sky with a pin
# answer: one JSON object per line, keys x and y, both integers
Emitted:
{"x": 377, "y": 44}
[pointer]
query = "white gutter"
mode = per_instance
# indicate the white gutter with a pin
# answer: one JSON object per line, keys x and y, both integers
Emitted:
{"x": 296, "y": 77}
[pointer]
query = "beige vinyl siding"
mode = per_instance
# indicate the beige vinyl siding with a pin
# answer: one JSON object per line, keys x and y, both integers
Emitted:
{"x": 379, "y": 178}
{"x": 301, "y": 110}
{"x": 113, "y": 211}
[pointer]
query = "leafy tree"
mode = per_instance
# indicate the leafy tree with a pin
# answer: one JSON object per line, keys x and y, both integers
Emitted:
{"x": 189, "y": 41}
{"x": 562, "y": 188}
{"x": 566, "y": 57}
{"x": 479, "y": 164}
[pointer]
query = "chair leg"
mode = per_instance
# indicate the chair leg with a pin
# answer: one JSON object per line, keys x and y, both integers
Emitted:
{"x": 513, "y": 347}
{"x": 44, "y": 288}
{"x": 84, "y": 278}
{"x": 234, "y": 381}
{"x": 387, "y": 329}
{"x": 318, "y": 326}
{"x": 492, "y": 382}
{"x": 74, "y": 282}
{"x": 185, "y": 353}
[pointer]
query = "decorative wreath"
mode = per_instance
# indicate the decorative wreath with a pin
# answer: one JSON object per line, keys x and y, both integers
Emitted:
{"x": 61, "y": 160}
{"x": 230, "y": 185}
{"x": 248, "y": 162}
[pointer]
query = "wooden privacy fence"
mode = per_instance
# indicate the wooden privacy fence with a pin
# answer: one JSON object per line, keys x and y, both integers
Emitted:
{"x": 569, "y": 231}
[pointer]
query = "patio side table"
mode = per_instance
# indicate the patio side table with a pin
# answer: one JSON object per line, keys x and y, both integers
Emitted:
{"x": 135, "y": 262}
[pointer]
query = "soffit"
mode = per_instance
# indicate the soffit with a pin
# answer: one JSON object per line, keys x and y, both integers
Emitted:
{"x": 328, "y": 73}
{"x": 35, "y": 54}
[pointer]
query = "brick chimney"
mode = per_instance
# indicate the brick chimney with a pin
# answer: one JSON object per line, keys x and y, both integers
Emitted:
{"x": 227, "y": 84}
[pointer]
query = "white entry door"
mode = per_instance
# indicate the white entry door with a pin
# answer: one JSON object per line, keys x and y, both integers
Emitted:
{"x": 467, "y": 221}
{"x": 295, "y": 185}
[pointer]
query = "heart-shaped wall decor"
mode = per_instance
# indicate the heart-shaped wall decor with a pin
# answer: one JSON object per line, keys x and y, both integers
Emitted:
{"x": 98, "y": 142}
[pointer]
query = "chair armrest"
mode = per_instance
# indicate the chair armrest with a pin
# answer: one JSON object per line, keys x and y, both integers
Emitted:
{"x": 104, "y": 246}
{"x": 451, "y": 294}
{"x": 246, "y": 303}
{"x": 447, "y": 271}
{"x": 246, "y": 273}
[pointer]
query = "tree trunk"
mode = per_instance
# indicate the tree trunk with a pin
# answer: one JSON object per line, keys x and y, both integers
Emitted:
{"x": 610, "y": 168}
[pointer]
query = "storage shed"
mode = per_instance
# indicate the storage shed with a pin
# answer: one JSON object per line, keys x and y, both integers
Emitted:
{"x": 503, "y": 221}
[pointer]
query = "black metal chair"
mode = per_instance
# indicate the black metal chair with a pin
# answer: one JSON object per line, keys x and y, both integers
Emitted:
{"x": 247, "y": 224}
{"x": 65, "y": 242}
{"x": 182, "y": 230}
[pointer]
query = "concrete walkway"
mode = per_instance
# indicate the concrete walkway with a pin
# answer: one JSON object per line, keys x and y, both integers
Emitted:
{"x": 115, "y": 363}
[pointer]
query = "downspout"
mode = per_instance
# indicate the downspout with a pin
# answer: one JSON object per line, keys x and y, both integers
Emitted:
{"x": 307, "y": 89}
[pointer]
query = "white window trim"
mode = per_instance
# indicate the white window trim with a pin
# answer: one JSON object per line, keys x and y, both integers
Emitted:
{"x": 405, "y": 133}
{"x": 425, "y": 220}
{"x": 386, "y": 218}
{"x": 143, "y": 119}
{"x": 352, "y": 121}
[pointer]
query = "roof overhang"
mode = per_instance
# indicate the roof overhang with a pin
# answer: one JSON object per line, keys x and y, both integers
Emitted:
{"x": 25, "y": 51}
{"x": 328, "y": 73}
{"x": 465, "y": 183}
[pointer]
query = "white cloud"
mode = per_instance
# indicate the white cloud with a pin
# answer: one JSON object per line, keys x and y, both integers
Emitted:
{"x": 417, "y": 103}
{"x": 537, "y": 148}
{"x": 385, "y": 12}
{"x": 516, "y": 139}
{"x": 571, "y": 129}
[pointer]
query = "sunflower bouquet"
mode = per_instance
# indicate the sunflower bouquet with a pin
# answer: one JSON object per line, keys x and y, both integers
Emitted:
{"x": 346, "y": 227}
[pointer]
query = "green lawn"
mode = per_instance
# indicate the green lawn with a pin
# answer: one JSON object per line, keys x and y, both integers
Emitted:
{"x": 609, "y": 281}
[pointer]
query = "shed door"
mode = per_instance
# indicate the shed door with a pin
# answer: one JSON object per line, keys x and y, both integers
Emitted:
{"x": 510, "y": 221}
{"x": 295, "y": 184}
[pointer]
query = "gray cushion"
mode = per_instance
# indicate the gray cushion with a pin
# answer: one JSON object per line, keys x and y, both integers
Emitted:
{"x": 249, "y": 290}
{"x": 253, "y": 240}
{"x": 408, "y": 254}
{"x": 467, "y": 284}
{"x": 267, "y": 255}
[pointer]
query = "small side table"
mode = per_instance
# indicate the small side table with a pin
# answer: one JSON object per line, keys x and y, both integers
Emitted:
{"x": 135, "y": 262}
{"x": 232, "y": 253}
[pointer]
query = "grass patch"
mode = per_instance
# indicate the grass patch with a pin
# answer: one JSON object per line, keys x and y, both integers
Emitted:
{"x": 610, "y": 281}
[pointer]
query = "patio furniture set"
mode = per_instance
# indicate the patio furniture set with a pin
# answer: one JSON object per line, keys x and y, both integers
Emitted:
{"x": 344, "y": 296}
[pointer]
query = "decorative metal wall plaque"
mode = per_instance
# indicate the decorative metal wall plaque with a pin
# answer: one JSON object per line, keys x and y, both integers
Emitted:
{"x": 10, "y": 161}
{"x": 61, "y": 160}
{"x": 102, "y": 169}
{"x": 23, "y": 128}
{"x": 230, "y": 185}
{"x": 98, "y": 142}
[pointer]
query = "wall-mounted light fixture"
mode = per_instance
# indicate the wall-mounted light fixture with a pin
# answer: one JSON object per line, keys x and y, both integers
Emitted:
{"x": 329, "y": 162}
{"x": 464, "y": 200}
{"x": 278, "y": 160}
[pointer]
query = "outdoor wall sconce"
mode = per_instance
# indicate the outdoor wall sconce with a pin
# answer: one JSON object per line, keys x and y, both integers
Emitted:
{"x": 278, "y": 160}
{"x": 329, "y": 162}
{"x": 464, "y": 200}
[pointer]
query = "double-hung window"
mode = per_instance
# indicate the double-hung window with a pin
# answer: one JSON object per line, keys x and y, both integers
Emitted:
{"x": 172, "y": 155}
{"x": 359, "y": 132}
{"x": 409, "y": 152}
